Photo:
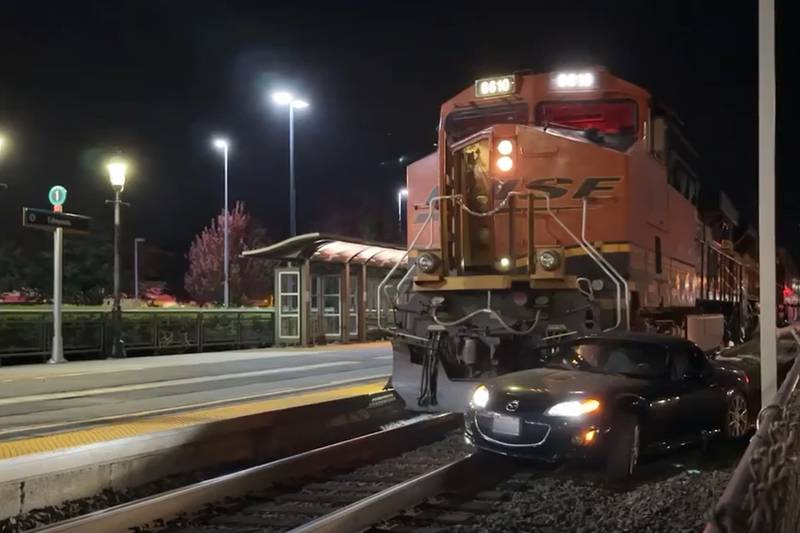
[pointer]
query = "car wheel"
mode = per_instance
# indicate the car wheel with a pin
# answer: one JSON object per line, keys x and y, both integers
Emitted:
{"x": 624, "y": 446}
{"x": 737, "y": 416}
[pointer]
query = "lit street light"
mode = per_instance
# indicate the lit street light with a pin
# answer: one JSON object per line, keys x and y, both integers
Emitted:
{"x": 222, "y": 145}
{"x": 136, "y": 242}
{"x": 284, "y": 98}
{"x": 402, "y": 193}
{"x": 117, "y": 170}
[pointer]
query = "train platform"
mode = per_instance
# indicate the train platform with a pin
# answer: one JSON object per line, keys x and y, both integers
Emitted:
{"x": 47, "y": 407}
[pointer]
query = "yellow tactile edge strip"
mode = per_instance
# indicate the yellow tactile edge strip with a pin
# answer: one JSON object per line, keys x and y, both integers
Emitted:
{"x": 132, "y": 428}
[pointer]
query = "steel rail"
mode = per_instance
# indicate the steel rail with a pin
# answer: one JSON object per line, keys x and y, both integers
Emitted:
{"x": 391, "y": 501}
{"x": 185, "y": 500}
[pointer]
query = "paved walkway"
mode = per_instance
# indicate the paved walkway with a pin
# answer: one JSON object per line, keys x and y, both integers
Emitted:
{"x": 38, "y": 397}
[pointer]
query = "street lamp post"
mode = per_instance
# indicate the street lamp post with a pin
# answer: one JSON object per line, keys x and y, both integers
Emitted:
{"x": 284, "y": 98}
{"x": 402, "y": 193}
{"x": 222, "y": 145}
{"x": 116, "y": 175}
{"x": 136, "y": 242}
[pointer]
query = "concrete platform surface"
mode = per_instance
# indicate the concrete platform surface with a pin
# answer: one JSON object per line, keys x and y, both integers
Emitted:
{"x": 36, "y": 399}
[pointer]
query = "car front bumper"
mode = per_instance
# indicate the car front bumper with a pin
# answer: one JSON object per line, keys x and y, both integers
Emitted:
{"x": 548, "y": 439}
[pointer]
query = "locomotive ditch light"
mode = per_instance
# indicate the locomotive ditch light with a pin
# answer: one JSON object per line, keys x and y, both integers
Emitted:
{"x": 504, "y": 264}
{"x": 428, "y": 262}
{"x": 549, "y": 259}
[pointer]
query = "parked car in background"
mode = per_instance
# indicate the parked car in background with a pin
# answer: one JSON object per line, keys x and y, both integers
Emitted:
{"x": 613, "y": 397}
{"x": 747, "y": 357}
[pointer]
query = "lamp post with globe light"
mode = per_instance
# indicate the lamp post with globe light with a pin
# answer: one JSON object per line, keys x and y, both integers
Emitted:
{"x": 117, "y": 170}
{"x": 284, "y": 98}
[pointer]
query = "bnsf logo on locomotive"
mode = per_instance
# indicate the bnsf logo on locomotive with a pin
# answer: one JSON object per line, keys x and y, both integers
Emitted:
{"x": 558, "y": 187}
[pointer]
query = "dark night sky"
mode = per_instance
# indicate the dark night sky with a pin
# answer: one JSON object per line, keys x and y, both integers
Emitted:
{"x": 156, "y": 79}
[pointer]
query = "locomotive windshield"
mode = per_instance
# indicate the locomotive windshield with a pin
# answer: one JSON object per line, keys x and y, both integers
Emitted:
{"x": 464, "y": 122}
{"x": 608, "y": 122}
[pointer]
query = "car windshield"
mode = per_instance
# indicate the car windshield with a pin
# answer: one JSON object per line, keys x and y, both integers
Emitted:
{"x": 636, "y": 359}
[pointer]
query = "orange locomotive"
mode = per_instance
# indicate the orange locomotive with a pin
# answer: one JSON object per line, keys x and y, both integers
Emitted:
{"x": 557, "y": 204}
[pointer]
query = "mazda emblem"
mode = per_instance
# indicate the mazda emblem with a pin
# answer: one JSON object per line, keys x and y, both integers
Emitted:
{"x": 512, "y": 406}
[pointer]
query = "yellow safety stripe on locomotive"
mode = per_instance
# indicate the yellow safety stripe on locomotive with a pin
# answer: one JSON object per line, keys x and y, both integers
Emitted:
{"x": 610, "y": 248}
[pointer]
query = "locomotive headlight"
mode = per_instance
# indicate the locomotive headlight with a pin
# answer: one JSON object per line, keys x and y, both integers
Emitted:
{"x": 480, "y": 398}
{"x": 549, "y": 259}
{"x": 505, "y": 163}
{"x": 428, "y": 263}
{"x": 505, "y": 147}
{"x": 573, "y": 408}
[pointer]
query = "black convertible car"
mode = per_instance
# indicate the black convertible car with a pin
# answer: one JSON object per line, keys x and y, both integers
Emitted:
{"x": 612, "y": 397}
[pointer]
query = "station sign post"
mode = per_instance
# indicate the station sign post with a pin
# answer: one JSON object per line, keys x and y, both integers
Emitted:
{"x": 56, "y": 221}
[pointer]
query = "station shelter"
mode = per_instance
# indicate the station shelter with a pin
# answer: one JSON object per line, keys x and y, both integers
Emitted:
{"x": 326, "y": 287}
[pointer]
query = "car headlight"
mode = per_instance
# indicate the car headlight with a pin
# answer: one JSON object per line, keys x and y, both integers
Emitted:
{"x": 549, "y": 259}
{"x": 428, "y": 263}
{"x": 573, "y": 408}
{"x": 480, "y": 398}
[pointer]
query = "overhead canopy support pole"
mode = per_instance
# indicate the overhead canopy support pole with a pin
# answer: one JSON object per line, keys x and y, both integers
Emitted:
{"x": 766, "y": 198}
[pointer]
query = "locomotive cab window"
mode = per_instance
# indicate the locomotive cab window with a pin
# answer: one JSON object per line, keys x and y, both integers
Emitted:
{"x": 462, "y": 123}
{"x": 612, "y": 123}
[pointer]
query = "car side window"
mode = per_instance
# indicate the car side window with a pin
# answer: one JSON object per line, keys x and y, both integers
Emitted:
{"x": 680, "y": 363}
{"x": 699, "y": 361}
{"x": 687, "y": 362}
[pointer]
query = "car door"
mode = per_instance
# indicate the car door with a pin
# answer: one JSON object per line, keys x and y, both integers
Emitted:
{"x": 663, "y": 409}
{"x": 701, "y": 399}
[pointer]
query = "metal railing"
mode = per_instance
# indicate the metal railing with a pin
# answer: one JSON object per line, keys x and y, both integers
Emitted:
{"x": 28, "y": 332}
{"x": 763, "y": 495}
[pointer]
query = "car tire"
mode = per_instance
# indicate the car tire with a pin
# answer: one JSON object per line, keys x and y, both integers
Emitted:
{"x": 737, "y": 416}
{"x": 624, "y": 447}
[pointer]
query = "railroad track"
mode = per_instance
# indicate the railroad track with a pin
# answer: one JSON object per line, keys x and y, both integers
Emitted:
{"x": 296, "y": 490}
{"x": 420, "y": 477}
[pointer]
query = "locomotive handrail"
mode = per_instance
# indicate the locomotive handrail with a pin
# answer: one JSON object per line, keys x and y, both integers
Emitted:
{"x": 588, "y": 252}
{"x": 600, "y": 257}
{"x": 413, "y": 243}
{"x": 488, "y": 310}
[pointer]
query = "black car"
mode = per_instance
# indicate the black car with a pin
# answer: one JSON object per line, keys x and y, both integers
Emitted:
{"x": 611, "y": 397}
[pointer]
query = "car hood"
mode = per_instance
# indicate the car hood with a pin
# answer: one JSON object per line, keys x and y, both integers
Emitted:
{"x": 557, "y": 383}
